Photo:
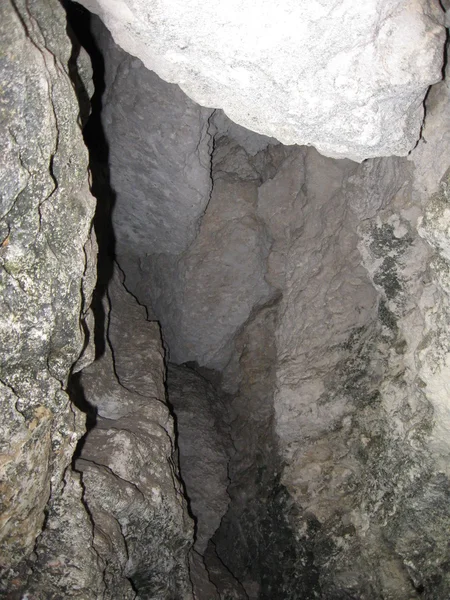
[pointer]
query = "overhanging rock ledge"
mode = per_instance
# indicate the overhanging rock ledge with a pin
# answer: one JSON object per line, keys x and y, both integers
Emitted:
{"x": 348, "y": 78}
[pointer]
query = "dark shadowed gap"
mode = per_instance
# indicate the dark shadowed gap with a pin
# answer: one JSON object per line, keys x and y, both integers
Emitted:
{"x": 79, "y": 32}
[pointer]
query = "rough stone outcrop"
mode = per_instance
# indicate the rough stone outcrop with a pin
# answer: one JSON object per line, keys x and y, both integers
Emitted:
{"x": 349, "y": 79}
{"x": 162, "y": 181}
{"x": 119, "y": 528}
{"x": 312, "y": 292}
{"x": 206, "y": 295}
{"x": 47, "y": 273}
{"x": 170, "y": 271}
{"x": 113, "y": 524}
{"x": 203, "y": 444}
{"x": 308, "y": 287}
{"x": 128, "y": 463}
{"x": 358, "y": 394}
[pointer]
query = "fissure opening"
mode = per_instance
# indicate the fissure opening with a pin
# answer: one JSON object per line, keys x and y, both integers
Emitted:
{"x": 271, "y": 270}
{"x": 265, "y": 374}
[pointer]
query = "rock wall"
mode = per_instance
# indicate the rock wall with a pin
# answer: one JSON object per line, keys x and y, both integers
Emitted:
{"x": 105, "y": 515}
{"x": 307, "y": 298}
{"x": 311, "y": 300}
{"x": 153, "y": 213}
{"x": 204, "y": 438}
{"x": 128, "y": 463}
{"x": 47, "y": 273}
{"x": 169, "y": 270}
{"x": 120, "y": 527}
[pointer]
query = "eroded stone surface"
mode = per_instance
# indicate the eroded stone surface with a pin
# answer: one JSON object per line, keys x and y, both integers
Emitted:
{"x": 307, "y": 286}
{"x": 319, "y": 291}
{"x": 120, "y": 526}
{"x": 356, "y": 427}
{"x": 47, "y": 271}
{"x": 154, "y": 212}
{"x": 65, "y": 559}
{"x": 201, "y": 283}
{"x": 205, "y": 296}
{"x": 349, "y": 79}
{"x": 128, "y": 463}
{"x": 203, "y": 445}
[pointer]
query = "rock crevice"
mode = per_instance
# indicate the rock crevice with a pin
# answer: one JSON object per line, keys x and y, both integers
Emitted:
{"x": 265, "y": 386}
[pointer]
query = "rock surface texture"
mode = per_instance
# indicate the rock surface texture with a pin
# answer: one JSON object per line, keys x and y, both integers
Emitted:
{"x": 142, "y": 532}
{"x": 47, "y": 273}
{"x": 349, "y": 79}
{"x": 112, "y": 523}
{"x": 303, "y": 301}
{"x": 313, "y": 294}
{"x": 204, "y": 438}
{"x": 120, "y": 527}
{"x": 203, "y": 457}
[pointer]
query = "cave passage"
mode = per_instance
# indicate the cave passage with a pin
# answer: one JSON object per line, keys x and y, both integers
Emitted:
{"x": 254, "y": 384}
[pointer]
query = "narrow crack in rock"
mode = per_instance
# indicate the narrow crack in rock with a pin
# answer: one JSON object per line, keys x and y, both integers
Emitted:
{"x": 253, "y": 404}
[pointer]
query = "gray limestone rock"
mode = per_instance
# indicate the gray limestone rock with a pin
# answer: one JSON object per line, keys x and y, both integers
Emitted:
{"x": 128, "y": 463}
{"x": 158, "y": 155}
{"x": 209, "y": 293}
{"x": 318, "y": 289}
{"x": 120, "y": 527}
{"x": 203, "y": 444}
{"x": 47, "y": 271}
{"x": 141, "y": 528}
{"x": 306, "y": 285}
{"x": 202, "y": 585}
{"x": 65, "y": 558}
{"x": 170, "y": 248}
{"x": 340, "y": 412}
{"x": 348, "y": 78}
